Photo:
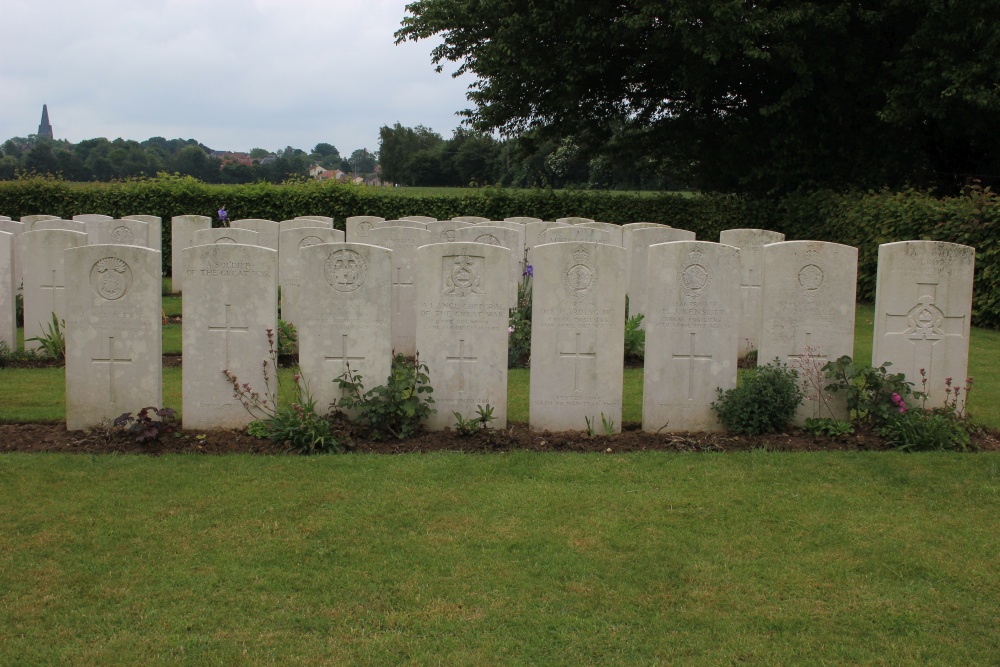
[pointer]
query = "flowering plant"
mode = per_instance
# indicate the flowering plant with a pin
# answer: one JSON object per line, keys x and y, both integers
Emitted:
{"x": 223, "y": 217}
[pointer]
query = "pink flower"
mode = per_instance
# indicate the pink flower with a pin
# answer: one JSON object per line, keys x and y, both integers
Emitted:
{"x": 510, "y": 330}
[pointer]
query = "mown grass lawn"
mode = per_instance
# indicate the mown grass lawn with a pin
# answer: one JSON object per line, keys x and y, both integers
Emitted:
{"x": 524, "y": 558}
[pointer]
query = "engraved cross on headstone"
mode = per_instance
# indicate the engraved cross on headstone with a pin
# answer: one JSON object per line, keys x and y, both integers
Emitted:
{"x": 111, "y": 360}
{"x": 461, "y": 359}
{"x": 398, "y": 286}
{"x": 807, "y": 350}
{"x": 924, "y": 325}
{"x": 691, "y": 358}
{"x": 53, "y": 287}
{"x": 229, "y": 329}
{"x": 576, "y": 355}
{"x": 344, "y": 358}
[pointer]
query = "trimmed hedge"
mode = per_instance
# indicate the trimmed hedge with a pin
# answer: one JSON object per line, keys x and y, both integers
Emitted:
{"x": 863, "y": 220}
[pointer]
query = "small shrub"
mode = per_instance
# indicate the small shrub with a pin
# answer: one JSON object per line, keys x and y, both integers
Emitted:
{"x": 918, "y": 428}
{"x": 9, "y": 356}
{"x": 288, "y": 338}
{"x": 143, "y": 427}
{"x": 467, "y": 427}
{"x": 764, "y": 403}
{"x": 828, "y": 427}
{"x": 53, "y": 343}
{"x": 635, "y": 336}
{"x": 873, "y": 394}
{"x": 394, "y": 409}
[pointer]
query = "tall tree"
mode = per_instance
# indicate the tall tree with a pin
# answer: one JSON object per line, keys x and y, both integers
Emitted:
{"x": 752, "y": 95}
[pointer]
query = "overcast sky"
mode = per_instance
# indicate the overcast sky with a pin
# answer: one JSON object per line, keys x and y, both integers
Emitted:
{"x": 233, "y": 74}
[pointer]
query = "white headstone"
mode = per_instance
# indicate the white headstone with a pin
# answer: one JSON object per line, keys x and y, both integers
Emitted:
{"x": 638, "y": 251}
{"x": 119, "y": 232}
{"x": 403, "y": 241}
{"x": 30, "y": 220}
{"x": 573, "y": 234}
{"x": 923, "y": 313}
{"x": 358, "y": 226}
{"x": 114, "y": 339}
{"x": 402, "y": 223}
{"x": 473, "y": 219}
{"x": 298, "y": 223}
{"x": 268, "y": 230}
{"x": 230, "y": 301}
{"x": 290, "y": 261}
{"x": 55, "y": 223}
{"x": 511, "y": 239}
{"x": 319, "y": 218}
{"x": 523, "y": 220}
{"x": 182, "y": 229}
{"x": 532, "y": 230}
{"x": 15, "y": 228}
{"x": 577, "y": 336}
{"x": 349, "y": 320}
{"x": 224, "y": 235}
{"x": 574, "y": 221}
{"x": 8, "y": 315}
{"x": 692, "y": 323}
{"x": 751, "y": 243}
{"x": 155, "y": 234}
{"x": 462, "y": 317}
{"x": 44, "y": 278}
{"x": 614, "y": 231}
{"x": 808, "y": 298}
{"x": 418, "y": 218}
{"x": 91, "y": 217}
{"x": 443, "y": 231}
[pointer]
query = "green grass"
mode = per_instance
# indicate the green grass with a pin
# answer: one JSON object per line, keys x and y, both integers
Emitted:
{"x": 524, "y": 558}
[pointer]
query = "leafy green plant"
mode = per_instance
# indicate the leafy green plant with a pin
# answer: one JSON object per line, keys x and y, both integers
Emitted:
{"x": 607, "y": 425}
{"x": 394, "y": 409}
{"x": 828, "y": 427}
{"x": 288, "y": 338}
{"x": 519, "y": 326}
{"x": 52, "y": 343}
{"x": 764, "y": 402}
{"x": 149, "y": 424}
{"x": 873, "y": 394}
{"x": 10, "y": 356}
{"x": 635, "y": 335}
{"x": 941, "y": 428}
{"x": 469, "y": 426}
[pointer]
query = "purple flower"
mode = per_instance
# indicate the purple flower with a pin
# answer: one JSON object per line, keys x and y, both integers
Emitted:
{"x": 529, "y": 270}
{"x": 510, "y": 330}
{"x": 223, "y": 216}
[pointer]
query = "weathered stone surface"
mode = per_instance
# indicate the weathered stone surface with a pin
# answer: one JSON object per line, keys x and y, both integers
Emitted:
{"x": 225, "y": 235}
{"x": 358, "y": 226}
{"x": 230, "y": 302}
{"x": 15, "y": 228}
{"x": 268, "y": 230}
{"x": 923, "y": 312}
{"x": 751, "y": 243}
{"x": 113, "y": 333}
{"x": 443, "y": 231}
{"x": 637, "y": 251}
{"x": 154, "y": 238}
{"x": 91, "y": 217}
{"x": 573, "y": 234}
{"x": 809, "y": 293}
{"x": 416, "y": 224}
{"x": 532, "y": 230}
{"x": 403, "y": 241}
{"x": 348, "y": 287}
{"x": 614, "y": 231}
{"x": 462, "y": 316}
{"x": 419, "y": 218}
{"x": 289, "y": 263}
{"x": 56, "y": 223}
{"x": 298, "y": 223}
{"x": 30, "y": 220}
{"x": 632, "y": 226}
{"x": 510, "y": 238}
{"x": 578, "y": 336}
{"x": 44, "y": 278}
{"x": 119, "y": 232}
{"x": 692, "y": 323}
{"x": 574, "y": 221}
{"x": 182, "y": 229}
{"x": 472, "y": 219}
{"x": 327, "y": 220}
{"x": 8, "y": 316}
{"x": 523, "y": 220}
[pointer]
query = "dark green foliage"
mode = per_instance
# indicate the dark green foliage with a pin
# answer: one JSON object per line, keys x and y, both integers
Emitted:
{"x": 52, "y": 344}
{"x": 764, "y": 402}
{"x": 873, "y": 394}
{"x": 394, "y": 409}
{"x": 10, "y": 357}
{"x": 481, "y": 421}
{"x": 144, "y": 428}
{"x": 288, "y": 338}
{"x": 825, "y": 426}
{"x": 519, "y": 327}
{"x": 926, "y": 430}
{"x": 300, "y": 427}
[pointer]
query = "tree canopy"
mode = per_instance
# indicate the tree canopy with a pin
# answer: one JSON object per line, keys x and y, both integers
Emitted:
{"x": 761, "y": 96}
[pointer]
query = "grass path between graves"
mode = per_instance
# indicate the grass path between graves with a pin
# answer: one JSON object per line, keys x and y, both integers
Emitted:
{"x": 521, "y": 558}
{"x": 28, "y": 395}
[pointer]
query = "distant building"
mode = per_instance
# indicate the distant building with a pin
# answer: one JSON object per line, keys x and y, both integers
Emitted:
{"x": 45, "y": 128}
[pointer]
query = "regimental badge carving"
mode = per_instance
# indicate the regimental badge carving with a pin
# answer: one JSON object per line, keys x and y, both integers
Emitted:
{"x": 110, "y": 278}
{"x": 925, "y": 320}
{"x": 122, "y": 235}
{"x": 363, "y": 229}
{"x": 345, "y": 270}
{"x": 694, "y": 276}
{"x": 448, "y": 235}
{"x": 310, "y": 240}
{"x": 224, "y": 239}
{"x": 580, "y": 274}
{"x": 462, "y": 275}
{"x": 489, "y": 239}
{"x": 810, "y": 277}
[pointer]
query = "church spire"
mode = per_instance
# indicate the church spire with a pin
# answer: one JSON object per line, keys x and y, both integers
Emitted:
{"x": 44, "y": 128}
